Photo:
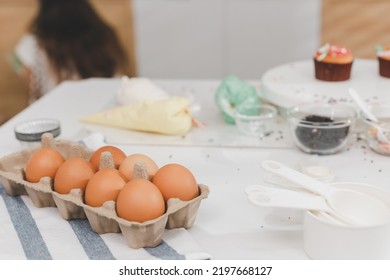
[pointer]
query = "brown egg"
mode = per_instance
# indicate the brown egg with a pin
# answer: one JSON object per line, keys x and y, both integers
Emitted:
{"x": 44, "y": 162}
{"x": 139, "y": 201}
{"x": 176, "y": 181}
{"x": 74, "y": 173}
{"x": 103, "y": 186}
{"x": 117, "y": 154}
{"x": 127, "y": 165}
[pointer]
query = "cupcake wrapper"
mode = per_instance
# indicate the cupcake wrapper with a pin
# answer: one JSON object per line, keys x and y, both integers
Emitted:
{"x": 384, "y": 67}
{"x": 332, "y": 72}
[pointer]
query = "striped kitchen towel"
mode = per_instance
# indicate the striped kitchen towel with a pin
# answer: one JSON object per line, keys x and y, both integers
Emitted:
{"x": 28, "y": 232}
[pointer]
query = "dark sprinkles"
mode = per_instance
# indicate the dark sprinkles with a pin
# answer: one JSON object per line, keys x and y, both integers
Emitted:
{"x": 321, "y": 138}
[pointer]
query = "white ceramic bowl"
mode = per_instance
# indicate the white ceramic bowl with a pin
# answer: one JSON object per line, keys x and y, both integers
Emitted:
{"x": 326, "y": 240}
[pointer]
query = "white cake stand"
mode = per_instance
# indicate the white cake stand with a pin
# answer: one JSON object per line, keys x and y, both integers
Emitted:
{"x": 293, "y": 83}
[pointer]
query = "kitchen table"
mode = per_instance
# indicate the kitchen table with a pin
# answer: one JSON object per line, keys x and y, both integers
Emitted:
{"x": 227, "y": 225}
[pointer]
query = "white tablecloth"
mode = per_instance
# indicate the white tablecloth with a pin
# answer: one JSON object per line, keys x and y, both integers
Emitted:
{"x": 227, "y": 225}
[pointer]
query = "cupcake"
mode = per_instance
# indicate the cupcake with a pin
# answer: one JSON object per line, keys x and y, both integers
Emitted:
{"x": 383, "y": 56}
{"x": 333, "y": 63}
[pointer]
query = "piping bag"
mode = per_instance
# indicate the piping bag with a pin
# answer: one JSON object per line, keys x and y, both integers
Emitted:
{"x": 168, "y": 116}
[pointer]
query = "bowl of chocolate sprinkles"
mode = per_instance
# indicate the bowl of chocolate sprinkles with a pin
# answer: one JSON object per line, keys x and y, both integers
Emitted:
{"x": 321, "y": 128}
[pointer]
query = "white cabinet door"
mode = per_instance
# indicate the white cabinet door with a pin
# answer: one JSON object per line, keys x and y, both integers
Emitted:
{"x": 179, "y": 38}
{"x": 264, "y": 33}
{"x": 215, "y": 38}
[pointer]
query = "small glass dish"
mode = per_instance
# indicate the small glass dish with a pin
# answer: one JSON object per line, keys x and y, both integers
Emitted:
{"x": 378, "y": 141}
{"x": 374, "y": 141}
{"x": 254, "y": 119}
{"x": 29, "y": 133}
{"x": 321, "y": 128}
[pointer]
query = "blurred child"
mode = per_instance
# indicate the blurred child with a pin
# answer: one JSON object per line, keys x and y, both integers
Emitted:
{"x": 67, "y": 40}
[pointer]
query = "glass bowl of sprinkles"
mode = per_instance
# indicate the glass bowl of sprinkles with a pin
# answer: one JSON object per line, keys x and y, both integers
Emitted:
{"x": 321, "y": 128}
{"x": 379, "y": 141}
{"x": 377, "y": 133}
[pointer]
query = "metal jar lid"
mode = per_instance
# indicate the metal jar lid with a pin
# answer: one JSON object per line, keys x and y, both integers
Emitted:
{"x": 32, "y": 131}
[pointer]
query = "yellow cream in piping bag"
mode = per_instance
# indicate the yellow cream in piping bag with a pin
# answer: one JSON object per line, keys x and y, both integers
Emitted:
{"x": 168, "y": 116}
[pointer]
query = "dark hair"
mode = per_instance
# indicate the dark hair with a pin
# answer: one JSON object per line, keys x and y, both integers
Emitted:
{"x": 77, "y": 41}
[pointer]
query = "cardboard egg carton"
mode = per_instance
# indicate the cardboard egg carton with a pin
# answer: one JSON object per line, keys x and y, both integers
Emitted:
{"x": 179, "y": 214}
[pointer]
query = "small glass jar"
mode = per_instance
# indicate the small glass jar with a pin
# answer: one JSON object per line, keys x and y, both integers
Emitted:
{"x": 321, "y": 128}
{"x": 29, "y": 133}
{"x": 379, "y": 141}
{"x": 254, "y": 119}
{"x": 377, "y": 134}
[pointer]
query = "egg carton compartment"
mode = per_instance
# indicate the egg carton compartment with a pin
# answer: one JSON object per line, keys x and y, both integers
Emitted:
{"x": 12, "y": 174}
{"x": 179, "y": 214}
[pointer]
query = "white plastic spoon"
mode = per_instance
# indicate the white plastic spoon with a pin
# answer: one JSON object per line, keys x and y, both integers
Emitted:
{"x": 353, "y": 206}
{"x": 362, "y": 105}
{"x": 272, "y": 197}
{"x": 369, "y": 115}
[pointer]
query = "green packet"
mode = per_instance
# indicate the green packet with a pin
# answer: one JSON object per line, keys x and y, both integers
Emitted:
{"x": 233, "y": 92}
